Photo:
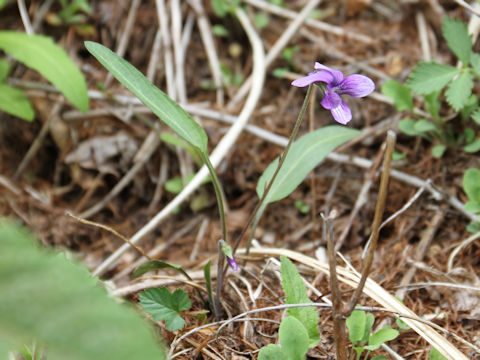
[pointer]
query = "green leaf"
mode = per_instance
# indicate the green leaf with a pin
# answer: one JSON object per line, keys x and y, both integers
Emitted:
{"x": 176, "y": 184}
{"x": 381, "y": 337}
{"x": 208, "y": 281}
{"x": 293, "y": 338}
{"x": 471, "y": 184}
{"x": 459, "y": 90}
{"x": 407, "y": 126}
{"x": 261, "y": 20}
{"x": 428, "y": 77}
{"x": 472, "y": 206}
{"x": 401, "y": 94}
{"x": 434, "y": 354}
{"x": 368, "y": 327}
{"x": 271, "y": 352}
{"x": 470, "y": 106}
{"x": 379, "y": 357}
{"x": 158, "y": 265}
{"x": 473, "y": 147}
{"x": 220, "y": 30}
{"x": 174, "y": 140}
{"x": 424, "y": 125}
{"x": 473, "y": 227}
{"x": 433, "y": 104}
{"x": 48, "y": 298}
{"x": 356, "y": 326}
{"x": 163, "y": 305}
{"x": 305, "y": 153}
{"x": 4, "y": 69}
{"x": 458, "y": 40}
{"x": 14, "y": 102}
{"x": 401, "y": 324}
{"x": 475, "y": 62}
{"x": 42, "y": 54}
{"x": 476, "y": 116}
{"x": 438, "y": 151}
{"x": 302, "y": 206}
{"x": 155, "y": 99}
{"x": 296, "y": 293}
{"x": 219, "y": 7}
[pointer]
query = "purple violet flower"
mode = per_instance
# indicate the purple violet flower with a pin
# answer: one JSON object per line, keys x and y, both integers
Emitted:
{"x": 354, "y": 85}
{"x": 232, "y": 262}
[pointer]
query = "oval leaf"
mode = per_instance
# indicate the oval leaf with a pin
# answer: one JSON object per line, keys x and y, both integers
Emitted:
{"x": 155, "y": 99}
{"x": 356, "y": 324}
{"x": 42, "y": 54}
{"x": 471, "y": 184}
{"x": 271, "y": 352}
{"x": 14, "y": 102}
{"x": 293, "y": 338}
{"x": 381, "y": 337}
{"x": 48, "y": 298}
{"x": 304, "y": 155}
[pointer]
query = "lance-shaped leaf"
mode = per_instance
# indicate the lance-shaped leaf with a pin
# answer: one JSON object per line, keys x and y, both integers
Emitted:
{"x": 304, "y": 155}
{"x": 155, "y": 99}
{"x": 45, "y": 297}
{"x": 14, "y": 102}
{"x": 42, "y": 54}
{"x": 157, "y": 265}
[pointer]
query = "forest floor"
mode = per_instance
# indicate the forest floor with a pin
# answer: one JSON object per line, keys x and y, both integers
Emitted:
{"x": 82, "y": 157}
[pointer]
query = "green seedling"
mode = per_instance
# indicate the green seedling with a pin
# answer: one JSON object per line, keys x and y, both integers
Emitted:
{"x": 42, "y": 54}
{"x": 434, "y": 354}
{"x": 360, "y": 324}
{"x": 434, "y": 81}
{"x": 222, "y": 8}
{"x": 163, "y": 305}
{"x": 471, "y": 186}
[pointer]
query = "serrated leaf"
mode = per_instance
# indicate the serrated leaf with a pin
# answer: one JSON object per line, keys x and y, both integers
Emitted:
{"x": 458, "y": 40}
{"x": 271, "y": 352}
{"x": 158, "y": 265}
{"x": 163, "y": 305}
{"x": 434, "y": 354}
{"x": 42, "y": 54}
{"x": 407, "y": 126}
{"x": 438, "y": 151}
{"x": 470, "y": 106}
{"x": 475, "y": 62}
{"x": 304, "y": 155}
{"x": 14, "y": 102}
{"x": 296, "y": 293}
{"x": 424, "y": 125}
{"x": 380, "y": 337}
{"x": 4, "y": 69}
{"x": 401, "y": 94}
{"x": 428, "y": 77}
{"x": 48, "y": 298}
{"x": 473, "y": 147}
{"x": 155, "y": 99}
{"x": 459, "y": 90}
{"x": 471, "y": 184}
{"x": 356, "y": 326}
{"x": 293, "y": 338}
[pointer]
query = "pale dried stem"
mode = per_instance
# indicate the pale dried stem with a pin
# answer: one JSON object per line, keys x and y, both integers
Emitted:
{"x": 208, "y": 42}
{"x": 423, "y": 36}
{"x": 163, "y": 20}
{"x": 25, "y": 18}
{"x": 155, "y": 54}
{"x": 125, "y": 38}
{"x": 459, "y": 248}
{"x": 178, "y": 50}
{"x": 377, "y": 220}
{"x": 276, "y": 49}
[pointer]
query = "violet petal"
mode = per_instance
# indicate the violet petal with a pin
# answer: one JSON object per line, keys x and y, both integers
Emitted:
{"x": 233, "y": 263}
{"x": 331, "y": 100}
{"x": 356, "y": 85}
{"x": 337, "y": 75}
{"x": 311, "y": 78}
{"x": 342, "y": 113}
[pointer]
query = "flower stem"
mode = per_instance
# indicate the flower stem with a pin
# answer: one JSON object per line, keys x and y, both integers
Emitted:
{"x": 281, "y": 160}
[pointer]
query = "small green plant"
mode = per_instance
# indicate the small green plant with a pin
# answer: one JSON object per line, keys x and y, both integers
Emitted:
{"x": 163, "y": 305}
{"x": 222, "y": 8}
{"x": 360, "y": 325}
{"x": 471, "y": 186}
{"x": 299, "y": 330}
{"x": 42, "y": 54}
{"x": 430, "y": 79}
{"x": 434, "y": 354}
{"x": 72, "y": 13}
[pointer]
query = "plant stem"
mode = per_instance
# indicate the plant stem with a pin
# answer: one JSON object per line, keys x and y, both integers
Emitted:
{"x": 217, "y": 305}
{"x": 218, "y": 193}
{"x": 339, "y": 330}
{"x": 280, "y": 163}
{"x": 377, "y": 220}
